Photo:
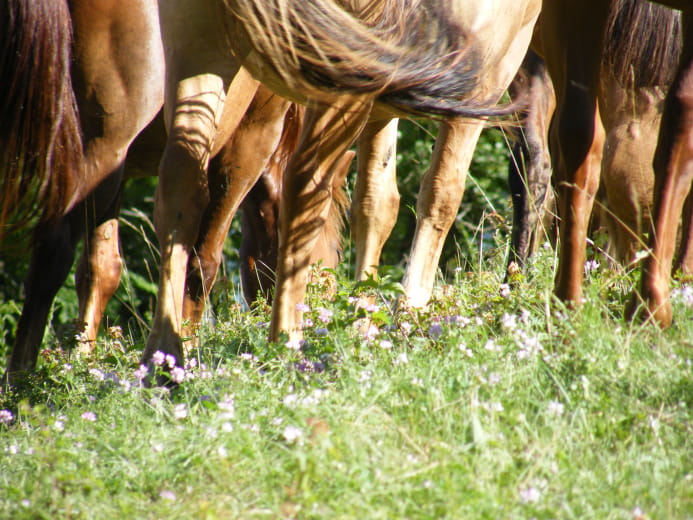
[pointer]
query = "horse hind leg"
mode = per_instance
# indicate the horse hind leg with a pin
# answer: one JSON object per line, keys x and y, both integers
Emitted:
{"x": 442, "y": 188}
{"x": 327, "y": 133}
{"x": 376, "y": 199}
{"x": 673, "y": 176}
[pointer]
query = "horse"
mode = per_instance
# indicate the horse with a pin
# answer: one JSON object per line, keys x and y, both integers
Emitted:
{"x": 290, "y": 47}
{"x": 631, "y": 93}
{"x": 571, "y": 41}
{"x": 73, "y": 169}
{"x": 117, "y": 101}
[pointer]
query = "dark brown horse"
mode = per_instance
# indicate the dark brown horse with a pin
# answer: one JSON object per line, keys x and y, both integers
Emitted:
{"x": 571, "y": 41}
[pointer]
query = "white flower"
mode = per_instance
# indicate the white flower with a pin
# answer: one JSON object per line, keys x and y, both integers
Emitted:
{"x": 141, "y": 372}
{"x": 386, "y": 344}
{"x": 170, "y": 361}
{"x": 509, "y": 321}
{"x": 504, "y": 290}
{"x": 325, "y": 315}
{"x": 401, "y": 359}
{"x": 292, "y": 434}
{"x": 89, "y": 416}
{"x": 555, "y": 408}
{"x": 180, "y": 411}
{"x": 529, "y": 495}
{"x": 405, "y": 327}
{"x": 167, "y": 495}
{"x": 177, "y": 375}
{"x": 97, "y": 374}
{"x": 372, "y": 332}
{"x": 293, "y": 344}
{"x": 221, "y": 451}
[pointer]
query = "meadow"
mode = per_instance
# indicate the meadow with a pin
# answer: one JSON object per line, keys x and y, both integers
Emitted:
{"x": 493, "y": 402}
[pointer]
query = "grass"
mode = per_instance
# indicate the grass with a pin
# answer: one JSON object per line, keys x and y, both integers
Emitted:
{"x": 487, "y": 404}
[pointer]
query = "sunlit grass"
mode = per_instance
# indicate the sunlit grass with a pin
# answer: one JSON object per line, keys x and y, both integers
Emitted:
{"x": 488, "y": 404}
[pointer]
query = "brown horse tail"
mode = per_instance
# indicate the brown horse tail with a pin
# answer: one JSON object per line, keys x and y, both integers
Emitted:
{"x": 40, "y": 142}
{"x": 642, "y": 43}
{"x": 408, "y": 53}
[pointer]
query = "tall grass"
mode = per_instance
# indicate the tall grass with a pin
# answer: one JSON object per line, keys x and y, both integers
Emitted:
{"x": 490, "y": 403}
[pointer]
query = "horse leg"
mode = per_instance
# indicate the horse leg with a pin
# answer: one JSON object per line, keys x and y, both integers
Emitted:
{"x": 572, "y": 34}
{"x": 684, "y": 255}
{"x": 98, "y": 274}
{"x": 439, "y": 199}
{"x": 239, "y": 165}
{"x": 529, "y": 173}
{"x": 376, "y": 200}
{"x": 51, "y": 259}
{"x": 673, "y": 165}
{"x": 198, "y": 115}
{"x": 327, "y": 133}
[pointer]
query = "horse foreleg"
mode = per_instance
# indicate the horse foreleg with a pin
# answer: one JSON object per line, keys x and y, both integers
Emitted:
{"x": 439, "y": 199}
{"x": 673, "y": 166}
{"x": 327, "y": 133}
{"x": 182, "y": 195}
{"x": 376, "y": 199}
{"x": 235, "y": 172}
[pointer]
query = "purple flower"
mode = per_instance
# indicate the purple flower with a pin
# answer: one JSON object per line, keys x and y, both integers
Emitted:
{"x": 6, "y": 417}
{"x": 89, "y": 416}
{"x": 158, "y": 358}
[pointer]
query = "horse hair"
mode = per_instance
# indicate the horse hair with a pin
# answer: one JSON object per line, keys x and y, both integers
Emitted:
{"x": 407, "y": 53}
{"x": 642, "y": 43}
{"x": 40, "y": 141}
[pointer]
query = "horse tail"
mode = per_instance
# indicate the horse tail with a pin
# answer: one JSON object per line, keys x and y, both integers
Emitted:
{"x": 642, "y": 43}
{"x": 40, "y": 141}
{"x": 410, "y": 54}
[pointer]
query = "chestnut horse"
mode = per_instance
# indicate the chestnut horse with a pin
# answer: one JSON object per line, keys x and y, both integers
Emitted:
{"x": 409, "y": 56}
{"x": 571, "y": 43}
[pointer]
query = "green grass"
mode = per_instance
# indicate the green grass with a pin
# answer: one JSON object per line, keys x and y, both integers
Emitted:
{"x": 480, "y": 406}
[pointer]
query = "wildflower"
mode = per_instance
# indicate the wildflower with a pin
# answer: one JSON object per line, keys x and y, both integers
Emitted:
{"x": 405, "y": 327}
{"x": 6, "y": 417}
{"x": 555, "y": 408}
{"x": 494, "y": 379}
{"x": 157, "y": 447}
{"x": 158, "y": 358}
{"x": 529, "y": 495}
{"x": 247, "y": 356}
{"x": 325, "y": 315}
{"x": 372, "y": 332}
{"x": 221, "y": 451}
{"x": 402, "y": 359}
{"x": 307, "y": 323}
{"x": 638, "y": 514}
{"x": 89, "y": 416}
{"x": 504, "y": 290}
{"x": 491, "y": 346}
{"x": 170, "y": 361}
{"x": 227, "y": 427}
{"x": 509, "y": 321}
{"x": 371, "y": 307}
{"x": 141, "y": 372}
{"x": 58, "y": 425}
{"x": 386, "y": 344}
{"x": 302, "y": 307}
{"x": 97, "y": 374}
{"x": 591, "y": 265}
{"x": 465, "y": 350}
{"x": 180, "y": 411}
{"x": 435, "y": 330}
{"x": 495, "y": 407}
{"x": 294, "y": 344}
{"x": 167, "y": 495}
{"x": 227, "y": 407}
{"x": 683, "y": 295}
{"x": 177, "y": 375}
{"x": 25, "y": 502}
{"x": 321, "y": 331}
{"x": 292, "y": 434}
